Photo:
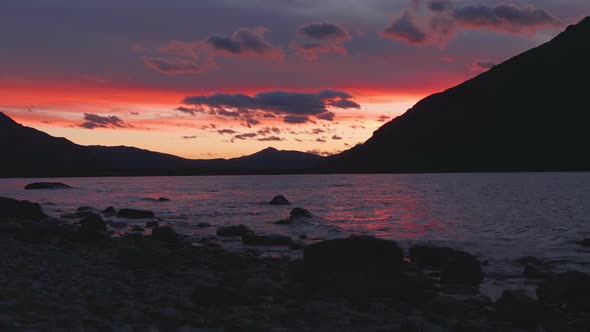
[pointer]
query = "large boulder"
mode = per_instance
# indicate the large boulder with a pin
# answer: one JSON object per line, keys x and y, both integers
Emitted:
{"x": 518, "y": 308}
{"x": 135, "y": 214}
{"x": 47, "y": 185}
{"x": 12, "y": 208}
{"x": 568, "y": 287}
{"x": 266, "y": 240}
{"x": 279, "y": 200}
{"x": 92, "y": 228}
{"x": 462, "y": 268}
{"x": 430, "y": 256}
{"x": 165, "y": 234}
{"x": 355, "y": 266}
{"x": 234, "y": 230}
{"x": 300, "y": 213}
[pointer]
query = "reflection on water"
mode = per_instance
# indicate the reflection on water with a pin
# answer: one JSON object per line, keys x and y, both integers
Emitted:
{"x": 498, "y": 216}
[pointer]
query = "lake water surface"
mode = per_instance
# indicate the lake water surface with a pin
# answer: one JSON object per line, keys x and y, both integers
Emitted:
{"x": 498, "y": 216}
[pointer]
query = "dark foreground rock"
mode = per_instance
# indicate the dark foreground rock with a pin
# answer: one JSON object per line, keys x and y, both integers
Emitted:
{"x": 165, "y": 234}
{"x": 135, "y": 214}
{"x": 47, "y": 185}
{"x": 569, "y": 287}
{"x": 234, "y": 230}
{"x": 462, "y": 268}
{"x": 357, "y": 266}
{"x": 518, "y": 308}
{"x": 12, "y": 208}
{"x": 300, "y": 213}
{"x": 92, "y": 228}
{"x": 279, "y": 200}
{"x": 266, "y": 240}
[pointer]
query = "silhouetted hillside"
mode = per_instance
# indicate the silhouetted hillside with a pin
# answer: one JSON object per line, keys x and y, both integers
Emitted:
{"x": 530, "y": 113}
{"x": 32, "y": 153}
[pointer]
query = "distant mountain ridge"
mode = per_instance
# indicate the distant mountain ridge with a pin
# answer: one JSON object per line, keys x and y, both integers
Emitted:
{"x": 29, "y": 152}
{"x": 530, "y": 113}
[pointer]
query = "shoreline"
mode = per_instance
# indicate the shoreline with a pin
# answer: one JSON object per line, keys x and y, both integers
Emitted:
{"x": 58, "y": 276}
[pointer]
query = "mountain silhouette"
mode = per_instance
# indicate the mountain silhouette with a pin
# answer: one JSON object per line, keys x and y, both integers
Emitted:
{"x": 28, "y": 152}
{"x": 530, "y": 113}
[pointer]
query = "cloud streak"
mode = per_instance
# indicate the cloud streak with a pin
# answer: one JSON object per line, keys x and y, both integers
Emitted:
{"x": 93, "y": 121}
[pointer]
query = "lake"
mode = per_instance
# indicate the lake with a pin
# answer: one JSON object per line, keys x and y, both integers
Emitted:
{"x": 498, "y": 216}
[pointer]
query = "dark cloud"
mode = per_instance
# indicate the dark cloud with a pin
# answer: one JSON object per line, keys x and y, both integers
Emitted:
{"x": 245, "y": 136}
{"x": 319, "y": 152}
{"x": 226, "y": 131}
{"x": 245, "y": 42}
{"x": 270, "y": 139}
{"x": 268, "y": 131}
{"x": 504, "y": 17}
{"x": 188, "y": 110}
{"x": 225, "y": 112}
{"x": 316, "y": 131}
{"x": 189, "y": 137}
{"x": 336, "y": 137}
{"x": 439, "y": 5}
{"x": 320, "y": 38}
{"x": 296, "y": 119}
{"x": 177, "y": 65}
{"x": 249, "y": 108}
{"x": 445, "y": 19}
{"x": 406, "y": 29}
{"x": 321, "y": 140}
{"x": 323, "y": 30}
{"x": 92, "y": 121}
{"x": 483, "y": 65}
{"x": 383, "y": 118}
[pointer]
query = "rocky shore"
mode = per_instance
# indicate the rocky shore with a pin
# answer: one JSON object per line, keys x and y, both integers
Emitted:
{"x": 64, "y": 275}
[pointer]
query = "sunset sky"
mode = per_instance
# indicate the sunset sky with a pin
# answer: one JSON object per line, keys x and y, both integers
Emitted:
{"x": 225, "y": 78}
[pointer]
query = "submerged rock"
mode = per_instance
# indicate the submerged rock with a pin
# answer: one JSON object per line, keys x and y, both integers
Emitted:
{"x": 47, "y": 185}
{"x": 462, "y": 268}
{"x": 279, "y": 200}
{"x": 92, "y": 228}
{"x": 12, "y": 208}
{"x": 84, "y": 208}
{"x": 300, "y": 212}
{"x": 165, "y": 234}
{"x": 152, "y": 224}
{"x": 266, "y": 240}
{"x": 235, "y": 230}
{"x": 135, "y": 214}
{"x": 357, "y": 266}
{"x": 518, "y": 308}
{"x": 110, "y": 211}
{"x": 567, "y": 287}
{"x": 204, "y": 225}
{"x": 430, "y": 256}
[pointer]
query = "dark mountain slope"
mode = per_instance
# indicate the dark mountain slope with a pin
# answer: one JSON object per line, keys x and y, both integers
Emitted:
{"x": 530, "y": 113}
{"x": 27, "y": 152}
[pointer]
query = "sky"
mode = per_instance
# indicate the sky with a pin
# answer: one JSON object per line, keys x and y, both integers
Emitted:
{"x": 225, "y": 78}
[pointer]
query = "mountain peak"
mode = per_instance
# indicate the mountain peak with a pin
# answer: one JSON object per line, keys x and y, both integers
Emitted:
{"x": 6, "y": 120}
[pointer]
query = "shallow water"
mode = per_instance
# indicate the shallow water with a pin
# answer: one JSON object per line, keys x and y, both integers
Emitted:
{"x": 498, "y": 216}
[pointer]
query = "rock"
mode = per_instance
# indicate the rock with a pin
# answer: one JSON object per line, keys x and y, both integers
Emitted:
{"x": 430, "y": 256}
{"x": 137, "y": 229}
{"x": 47, "y": 185}
{"x": 266, "y": 240}
{"x": 567, "y": 287}
{"x": 355, "y": 266}
{"x": 235, "y": 230}
{"x": 119, "y": 225}
{"x": 284, "y": 222}
{"x": 152, "y": 224}
{"x": 85, "y": 208}
{"x": 165, "y": 234}
{"x": 585, "y": 242}
{"x": 518, "y": 308}
{"x": 92, "y": 228}
{"x": 279, "y": 200}
{"x": 204, "y": 225}
{"x": 12, "y": 208}
{"x": 135, "y": 214}
{"x": 300, "y": 213}
{"x": 163, "y": 199}
{"x": 536, "y": 272}
{"x": 462, "y": 268}
{"x": 110, "y": 211}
